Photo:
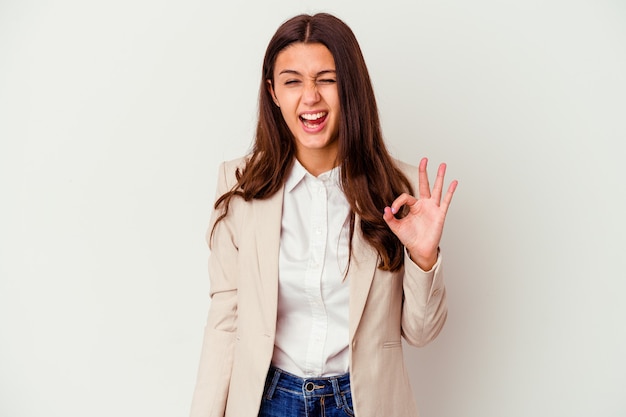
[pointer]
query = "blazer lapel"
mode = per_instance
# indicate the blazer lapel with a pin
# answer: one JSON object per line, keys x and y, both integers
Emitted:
{"x": 363, "y": 265}
{"x": 267, "y": 219}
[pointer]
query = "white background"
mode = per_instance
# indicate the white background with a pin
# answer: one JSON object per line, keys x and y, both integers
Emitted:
{"x": 113, "y": 119}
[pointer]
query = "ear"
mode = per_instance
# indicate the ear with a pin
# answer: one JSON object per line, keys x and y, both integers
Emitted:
{"x": 270, "y": 88}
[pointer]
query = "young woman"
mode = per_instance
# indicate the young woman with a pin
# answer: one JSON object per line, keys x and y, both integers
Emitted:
{"x": 321, "y": 257}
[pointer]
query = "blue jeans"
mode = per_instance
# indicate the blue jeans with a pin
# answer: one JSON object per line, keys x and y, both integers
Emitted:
{"x": 288, "y": 395}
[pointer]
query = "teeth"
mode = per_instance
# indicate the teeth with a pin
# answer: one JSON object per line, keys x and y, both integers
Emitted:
{"x": 313, "y": 116}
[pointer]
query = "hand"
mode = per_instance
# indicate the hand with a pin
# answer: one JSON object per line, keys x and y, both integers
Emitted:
{"x": 420, "y": 230}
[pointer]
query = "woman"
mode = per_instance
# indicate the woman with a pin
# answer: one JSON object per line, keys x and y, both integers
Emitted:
{"x": 321, "y": 258}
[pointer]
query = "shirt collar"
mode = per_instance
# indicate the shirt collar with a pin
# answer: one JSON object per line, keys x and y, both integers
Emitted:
{"x": 295, "y": 176}
{"x": 298, "y": 173}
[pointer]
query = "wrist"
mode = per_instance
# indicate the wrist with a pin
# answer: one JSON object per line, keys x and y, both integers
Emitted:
{"x": 425, "y": 262}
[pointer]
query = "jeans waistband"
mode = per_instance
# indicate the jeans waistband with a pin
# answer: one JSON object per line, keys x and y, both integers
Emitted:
{"x": 309, "y": 387}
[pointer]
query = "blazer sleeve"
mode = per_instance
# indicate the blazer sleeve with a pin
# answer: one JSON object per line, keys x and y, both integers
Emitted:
{"x": 216, "y": 358}
{"x": 424, "y": 308}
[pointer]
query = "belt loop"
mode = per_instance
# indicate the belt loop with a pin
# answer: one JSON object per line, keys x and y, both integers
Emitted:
{"x": 337, "y": 392}
{"x": 274, "y": 383}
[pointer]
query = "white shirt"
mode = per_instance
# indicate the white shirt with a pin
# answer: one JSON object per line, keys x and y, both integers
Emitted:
{"x": 312, "y": 333}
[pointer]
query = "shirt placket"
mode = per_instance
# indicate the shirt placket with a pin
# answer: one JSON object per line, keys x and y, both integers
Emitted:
{"x": 313, "y": 278}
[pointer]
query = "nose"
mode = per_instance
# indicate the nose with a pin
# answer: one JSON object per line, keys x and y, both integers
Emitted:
{"x": 310, "y": 95}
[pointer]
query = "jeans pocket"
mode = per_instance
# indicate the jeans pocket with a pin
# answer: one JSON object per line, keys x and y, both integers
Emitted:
{"x": 347, "y": 404}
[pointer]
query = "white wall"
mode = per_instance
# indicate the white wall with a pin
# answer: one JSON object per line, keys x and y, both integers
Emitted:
{"x": 113, "y": 119}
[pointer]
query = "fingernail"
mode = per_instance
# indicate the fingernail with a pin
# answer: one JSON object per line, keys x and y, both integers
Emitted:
{"x": 393, "y": 210}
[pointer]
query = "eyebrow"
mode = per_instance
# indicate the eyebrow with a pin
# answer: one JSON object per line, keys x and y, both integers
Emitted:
{"x": 294, "y": 72}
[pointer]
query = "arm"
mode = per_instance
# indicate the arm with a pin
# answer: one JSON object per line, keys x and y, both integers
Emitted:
{"x": 424, "y": 308}
{"x": 216, "y": 358}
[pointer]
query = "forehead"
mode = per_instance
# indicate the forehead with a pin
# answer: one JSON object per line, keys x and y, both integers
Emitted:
{"x": 304, "y": 58}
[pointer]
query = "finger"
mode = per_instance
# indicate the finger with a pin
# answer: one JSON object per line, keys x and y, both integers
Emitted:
{"x": 390, "y": 219}
{"x": 449, "y": 194}
{"x": 424, "y": 186}
{"x": 402, "y": 199}
{"x": 438, "y": 187}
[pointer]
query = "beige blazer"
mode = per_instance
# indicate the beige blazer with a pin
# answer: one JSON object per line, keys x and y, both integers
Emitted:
{"x": 241, "y": 325}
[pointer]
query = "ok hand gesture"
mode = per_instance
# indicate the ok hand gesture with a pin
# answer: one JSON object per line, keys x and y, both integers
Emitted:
{"x": 420, "y": 230}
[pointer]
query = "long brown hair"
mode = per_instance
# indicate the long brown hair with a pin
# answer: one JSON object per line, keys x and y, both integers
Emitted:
{"x": 369, "y": 177}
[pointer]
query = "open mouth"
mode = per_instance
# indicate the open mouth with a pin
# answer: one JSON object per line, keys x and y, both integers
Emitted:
{"x": 313, "y": 120}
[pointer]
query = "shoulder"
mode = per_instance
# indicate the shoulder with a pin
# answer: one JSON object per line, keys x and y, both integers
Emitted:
{"x": 407, "y": 169}
{"x": 410, "y": 171}
{"x": 227, "y": 172}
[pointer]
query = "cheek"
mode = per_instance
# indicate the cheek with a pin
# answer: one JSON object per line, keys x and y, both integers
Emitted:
{"x": 288, "y": 116}
{"x": 286, "y": 105}
{"x": 333, "y": 101}
{"x": 290, "y": 119}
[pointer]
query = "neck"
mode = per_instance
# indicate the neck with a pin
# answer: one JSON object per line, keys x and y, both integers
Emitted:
{"x": 317, "y": 166}
{"x": 318, "y": 161}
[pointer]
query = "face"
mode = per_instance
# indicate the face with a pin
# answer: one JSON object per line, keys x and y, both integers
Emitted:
{"x": 305, "y": 89}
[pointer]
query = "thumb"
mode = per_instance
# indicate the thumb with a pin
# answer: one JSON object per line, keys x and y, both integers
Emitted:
{"x": 390, "y": 219}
